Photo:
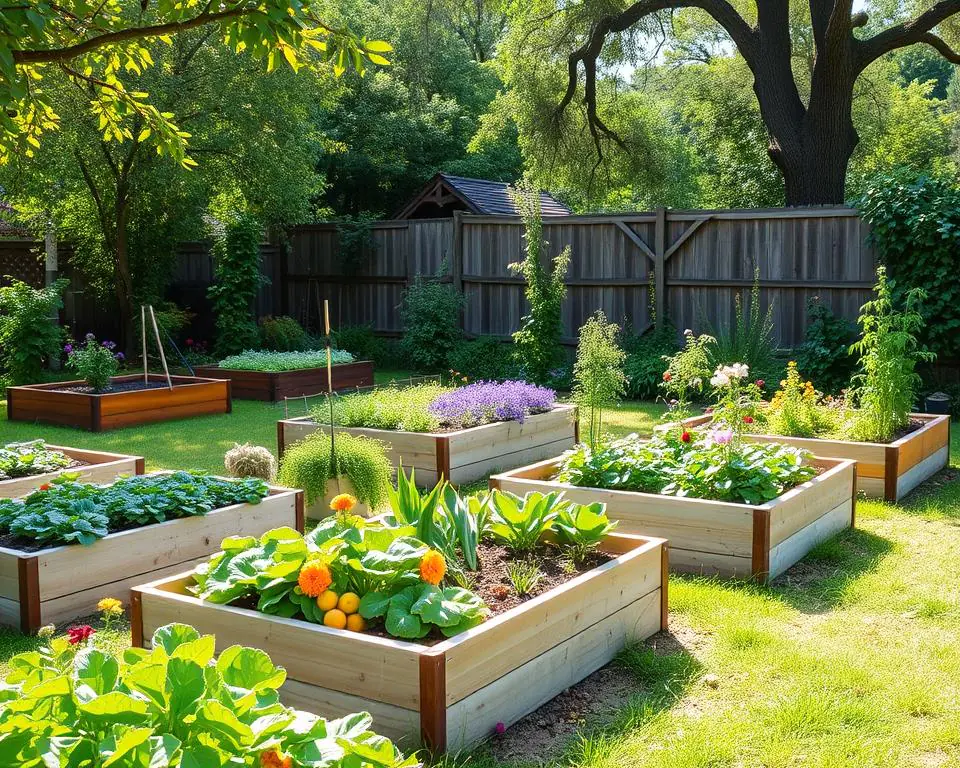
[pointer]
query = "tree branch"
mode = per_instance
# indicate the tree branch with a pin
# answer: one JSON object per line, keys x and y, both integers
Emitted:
{"x": 908, "y": 33}
{"x": 942, "y": 46}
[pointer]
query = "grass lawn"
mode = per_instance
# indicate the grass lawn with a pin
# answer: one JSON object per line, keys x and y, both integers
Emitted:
{"x": 852, "y": 658}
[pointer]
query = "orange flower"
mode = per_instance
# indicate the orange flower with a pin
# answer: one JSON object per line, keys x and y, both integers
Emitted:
{"x": 271, "y": 758}
{"x": 433, "y": 567}
{"x": 343, "y": 502}
{"x": 314, "y": 579}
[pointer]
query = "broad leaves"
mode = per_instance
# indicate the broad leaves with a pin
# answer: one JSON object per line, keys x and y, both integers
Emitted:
{"x": 412, "y": 612}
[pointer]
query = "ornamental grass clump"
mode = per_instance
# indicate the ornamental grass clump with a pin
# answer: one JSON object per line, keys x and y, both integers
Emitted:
{"x": 487, "y": 401}
{"x": 277, "y": 362}
{"x": 250, "y": 461}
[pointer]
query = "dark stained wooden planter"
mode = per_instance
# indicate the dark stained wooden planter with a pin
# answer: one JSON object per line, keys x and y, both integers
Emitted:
{"x": 276, "y": 385}
{"x": 50, "y": 404}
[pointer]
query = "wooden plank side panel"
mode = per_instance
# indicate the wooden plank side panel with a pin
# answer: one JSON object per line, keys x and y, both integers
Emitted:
{"x": 922, "y": 471}
{"x": 792, "y": 549}
{"x": 9, "y": 574}
{"x": 145, "y": 400}
{"x": 809, "y": 502}
{"x": 469, "y": 446}
{"x": 103, "y": 472}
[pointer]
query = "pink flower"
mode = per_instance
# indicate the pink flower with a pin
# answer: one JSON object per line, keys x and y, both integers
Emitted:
{"x": 80, "y": 634}
{"x": 189, "y": 342}
{"x": 760, "y": 383}
{"x": 500, "y": 729}
{"x": 721, "y": 436}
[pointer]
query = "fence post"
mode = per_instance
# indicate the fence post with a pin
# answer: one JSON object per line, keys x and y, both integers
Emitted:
{"x": 659, "y": 266}
{"x": 456, "y": 259}
{"x": 50, "y": 276}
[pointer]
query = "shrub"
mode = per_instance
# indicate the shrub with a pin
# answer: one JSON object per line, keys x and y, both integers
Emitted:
{"x": 795, "y": 409}
{"x": 96, "y": 363}
{"x": 236, "y": 256}
{"x": 362, "y": 342}
{"x": 250, "y": 461}
{"x": 824, "y": 355}
{"x": 687, "y": 371}
{"x": 538, "y": 349}
{"x": 283, "y": 334}
{"x": 284, "y": 361}
{"x": 362, "y": 461}
{"x": 431, "y": 320}
{"x": 406, "y": 409}
{"x": 485, "y": 402}
{"x": 174, "y": 705}
{"x": 644, "y": 364}
{"x": 885, "y": 390}
{"x": 599, "y": 381}
{"x": 28, "y": 336}
{"x": 485, "y": 358}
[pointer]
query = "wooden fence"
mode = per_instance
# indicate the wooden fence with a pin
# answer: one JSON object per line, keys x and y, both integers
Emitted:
{"x": 683, "y": 266}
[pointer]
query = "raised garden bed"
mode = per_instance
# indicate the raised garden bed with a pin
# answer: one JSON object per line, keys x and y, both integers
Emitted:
{"x": 66, "y": 403}
{"x": 884, "y": 470}
{"x": 715, "y": 537}
{"x": 89, "y": 467}
{"x": 464, "y": 455}
{"x": 454, "y": 693}
{"x": 276, "y": 385}
{"x": 60, "y": 583}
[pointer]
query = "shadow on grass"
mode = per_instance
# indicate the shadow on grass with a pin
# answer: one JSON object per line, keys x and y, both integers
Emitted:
{"x": 935, "y": 499}
{"x": 654, "y": 676}
{"x": 821, "y": 580}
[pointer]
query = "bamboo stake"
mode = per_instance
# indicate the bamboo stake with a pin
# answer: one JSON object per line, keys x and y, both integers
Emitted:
{"x": 163, "y": 357}
{"x": 143, "y": 338}
{"x": 333, "y": 441}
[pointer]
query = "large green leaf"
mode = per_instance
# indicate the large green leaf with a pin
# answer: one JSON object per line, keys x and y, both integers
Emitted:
{"x": 115, "y": 707}
{"x": 94, "y": 673}
{"x": 446, "y": 607}
{"x": 220, "y": 720}
{"x": 185, "y": 686}
{"x": 400, "y": 621}
{"x": 249, "y": 668}
{"x": 171, "y": 636}
{"x": 373, "y": 605}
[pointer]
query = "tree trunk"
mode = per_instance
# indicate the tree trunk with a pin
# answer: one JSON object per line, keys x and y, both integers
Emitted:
{"x": 123, "y": 281}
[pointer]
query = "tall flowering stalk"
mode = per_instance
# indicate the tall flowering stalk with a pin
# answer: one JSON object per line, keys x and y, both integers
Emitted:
{"x": 737, "y": 401}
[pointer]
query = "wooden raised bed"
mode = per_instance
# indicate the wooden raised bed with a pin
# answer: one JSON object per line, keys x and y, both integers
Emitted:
{"x": 718, "y": 537}
{"x": 48, "y": 403}
{"x": 464, "y": 455}
{"x": 276, "y": 385}
{"x": 65, "y": 582}
{"x": 454, "y": 693}
{"x": 97, "y": 467}
{"x": 884, "y": 470}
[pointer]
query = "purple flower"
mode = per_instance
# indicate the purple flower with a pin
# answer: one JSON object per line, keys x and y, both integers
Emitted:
{"x": 500, "y": 729}
{"x": 721, "y": 436}
{"x": 486, "y": 401}
{"x": 90, "y": 337}
{"x": 120, "y": 356}
{"x": 109, "y": 345}
{"x": 68, "y": 348}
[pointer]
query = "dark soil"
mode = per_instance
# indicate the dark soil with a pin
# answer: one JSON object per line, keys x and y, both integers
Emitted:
{"x": 117, "y": 386}
{"x": 912, "y": 426}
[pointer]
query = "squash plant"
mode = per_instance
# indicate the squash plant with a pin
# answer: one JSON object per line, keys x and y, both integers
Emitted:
{"x": 175, "y": 706}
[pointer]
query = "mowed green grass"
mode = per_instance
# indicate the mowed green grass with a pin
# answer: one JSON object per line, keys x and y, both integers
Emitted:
{"x": 851, "y": 659}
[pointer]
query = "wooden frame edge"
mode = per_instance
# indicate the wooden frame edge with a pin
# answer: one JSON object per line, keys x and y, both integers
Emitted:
{"x": 28, "y": 578}
{"x": 433, "y": 700}
{"x": 136, "y": 618}
{"x": 442, "y": 447}
{"x": 96, "y": 415}
{"x": 891, "y": 468}
{"x": 300, "y": 506}
{"x": 760, "y": 559}
{"x": 853, "y": 499}
{"x": 229, "y": 396}
{"x": 140, "y": 465}
{"x": 280, "y": 439}
{"x": 664, "y": 586}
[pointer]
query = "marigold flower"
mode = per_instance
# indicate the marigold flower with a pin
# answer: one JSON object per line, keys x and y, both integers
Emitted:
{"x": 314, "y": 579}
{"x": 46, "y": 487}
{"x": 343, "y": 502}
{"x": 433, "y": 567}
{"x": 685, "y": 437}
{"x": 271, "y": 758}
{"x": 80, "y": 634}
{"x": 667, "y": 376}
{"x": 110, "y": 606}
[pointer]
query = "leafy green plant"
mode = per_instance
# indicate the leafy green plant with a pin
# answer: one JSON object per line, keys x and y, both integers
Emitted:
{"x": 356, "y": 244}
{"x": 643, "y": 365}
{"x": 362, "y": 342}
{"x": 795, "y": 408}
{"x": 236, "y": 254}
{"x": 524, "y": 576}
{"x": 599, "y": 380}
{"x": 283, "y": 334}
{"x": 484, "y": 358}
{"x": 29, "y": 337}
{"x": 520, "y": 523}
{"x": 95, "y": 362}
{"x": 885, "y": 390}
{"x": 176, "y": 705}
{"x": 687, "y": 373}
{"x": 538, "y": 348}
{"x": 31, "y": 458}
{"x": 411, "y": 507}
{"x": 581, "y": 528}
{"x": 363, "y": 461}
{"x": 284, "y": 361}
{"x": 401, "y": 408}
{"x": 824, "y": 354}
{"x": 430, "y": 311}
{"x": 69, "y": 511}
{"x": 414, "y": 611}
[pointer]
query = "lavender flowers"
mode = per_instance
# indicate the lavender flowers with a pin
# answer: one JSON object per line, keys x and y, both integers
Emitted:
{"x": 487, "y": 401}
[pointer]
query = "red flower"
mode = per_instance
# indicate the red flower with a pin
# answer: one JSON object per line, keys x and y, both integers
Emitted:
{"x": 760, "y": 383}
{"x": 45, "y": 487}
{"x": 748, "y": 419}
{"x": 80, "y": 634}
{"x": 685, "y": 437}
{"x": 667, "y": 376}
{"x": 189, "y": 342}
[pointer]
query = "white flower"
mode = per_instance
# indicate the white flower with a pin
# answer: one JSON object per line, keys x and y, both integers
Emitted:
{"x": 688, "y": 332}
{"x": 696, "y": 382}
{"x": 740, "y": 370}
{"x": 720, "y": 379}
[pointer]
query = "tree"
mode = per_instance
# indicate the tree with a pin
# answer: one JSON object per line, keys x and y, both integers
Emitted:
{"x": 97, "y": 44}
{"x": 811, "y": 131}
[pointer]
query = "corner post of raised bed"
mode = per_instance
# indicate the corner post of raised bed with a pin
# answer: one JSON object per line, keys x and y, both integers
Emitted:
{"x": 28, "y": 578}
{"x": 664, "y": 586}
{"x": 433, "y": 700}
{"x": 229, "y": 396}
{"x": 890, "y": 472}
{"x": 140, "y": 466}
{"x": 760, "y": 560}
{"x": 300, "y": 514}
{"x": 576, "y": 425}
{"x": 9, "y": 393}
{"x": 853, "y": 499}
{"x": 95, "y": 415}
{"x": 136, "y": 618}
{"x": 442, "y": 448}
{"x": 280, "y": 444}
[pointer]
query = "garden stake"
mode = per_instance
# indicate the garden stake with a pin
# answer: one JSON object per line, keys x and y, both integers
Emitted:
{"x": 143, "y": 338}
{"x": 163, "y": 357}
{"x": 333, "y": 441}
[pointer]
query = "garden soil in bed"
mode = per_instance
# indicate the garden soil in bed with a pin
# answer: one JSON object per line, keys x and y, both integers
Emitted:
{"x": 120, "y": 386}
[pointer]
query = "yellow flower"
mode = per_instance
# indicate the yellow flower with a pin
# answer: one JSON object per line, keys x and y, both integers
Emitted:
{"x": 433, "y": 567}
{"x": 314, "y": 579}
{"x": 110, "y": 606}
{"x": 343, "y": 502}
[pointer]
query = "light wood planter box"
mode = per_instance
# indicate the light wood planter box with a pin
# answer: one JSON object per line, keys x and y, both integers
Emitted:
{"x": 717, "y": 537}
{"x": 65, "y": 582}
{"x": 884, "y": 470}
{"x": 465, "y": 455}
{"x": 276, "y": 385}
{"x": 452, "y": 694}
{"x": 47, "y": 403}
{"x": 98, "y": 467}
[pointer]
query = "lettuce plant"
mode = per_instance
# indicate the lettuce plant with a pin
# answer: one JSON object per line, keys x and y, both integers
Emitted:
{"x": 174, "y": 706}
{"x": 28, "y": 459}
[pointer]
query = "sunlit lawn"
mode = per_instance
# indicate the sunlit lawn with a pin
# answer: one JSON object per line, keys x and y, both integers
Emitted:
{"x": 851, "y": 659}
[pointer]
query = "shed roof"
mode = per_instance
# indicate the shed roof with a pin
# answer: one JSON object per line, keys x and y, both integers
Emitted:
{"x": 445, "y": 193}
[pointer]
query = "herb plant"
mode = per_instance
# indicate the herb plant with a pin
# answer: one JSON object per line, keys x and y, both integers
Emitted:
{"x": 430, "y": 311}
{"x": 884, "y": 392}
{"x": 406, "y": 409}
{"x": 74, "y": 704}
{"x": 524, "y": 576}
{"x": 95, "y": 362}
{"x": 687, "y": 373}
{"x": 273, "y": 362}
{"x": 520, "y": 523}
{"x": 283, "y": 334}
{"x": 28, "y": 337}
{"x": 599, "y": 381}
{"x": 795, "y": 409}
{"x": 28, "y": 459}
